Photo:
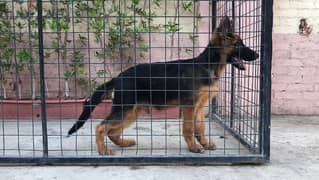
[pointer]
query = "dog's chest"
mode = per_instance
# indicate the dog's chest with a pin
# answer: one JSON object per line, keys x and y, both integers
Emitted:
{"x": 209, "y": 88}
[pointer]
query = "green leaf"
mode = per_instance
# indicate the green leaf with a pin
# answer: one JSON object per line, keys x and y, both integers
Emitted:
{"x": 77, "y": 58}
{"x": 172, "y": 26}
{"x": 55, "y": 45}
{"x": 8, "y": 53}
{"x": 34, "y": 36}
{"x": 157, "y": 3}
{"x": 69, "y": 73}
{"x": 58, "y": 25}
{"x": 47, "y": 54}
{"x": 144, "y": 47}
{"x": 21, "y": 14}
{"x": 187, "y": 6}
{"x": 25, "y": 56}
{"x": 193, "y": 38}
{"x": 135, "y": 2}
{"x": 81, "y": 72}
{"x": 98, "y": 24}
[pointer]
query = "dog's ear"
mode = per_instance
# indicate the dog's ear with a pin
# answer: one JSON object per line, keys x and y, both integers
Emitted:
{"x": 225, "y": 26}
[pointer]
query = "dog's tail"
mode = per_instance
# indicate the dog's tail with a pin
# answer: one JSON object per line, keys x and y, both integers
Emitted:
{"x": 90, "y": 104}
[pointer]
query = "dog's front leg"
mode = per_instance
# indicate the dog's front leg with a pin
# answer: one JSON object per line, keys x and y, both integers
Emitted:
{"x": 188, "y": 130}
{"x": 200, "y": 130}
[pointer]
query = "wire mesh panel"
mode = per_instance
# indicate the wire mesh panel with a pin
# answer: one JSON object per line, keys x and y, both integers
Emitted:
{"x": 155, "y": 81}
{"x": 20, "y": 129}
{"x": 239, "y": 99}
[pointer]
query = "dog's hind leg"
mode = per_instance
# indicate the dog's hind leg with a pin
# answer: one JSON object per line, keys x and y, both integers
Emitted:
{"x": 100, "y": 131}
{"x": 113, "y": 126}
{"x": 116, "y": 131}
{"x": 188, "y": 130}
{"x": 115, "y": 137}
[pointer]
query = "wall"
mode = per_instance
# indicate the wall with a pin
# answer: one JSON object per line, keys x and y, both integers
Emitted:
{"x": 295, "y": 73}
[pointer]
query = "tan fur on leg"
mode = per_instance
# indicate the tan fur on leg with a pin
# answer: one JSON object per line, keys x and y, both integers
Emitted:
{"x": 114, "y": 132}
{"x": 115, "y": 137}
{"x": 188, "y": 130}
{"x": 200, "y": 132}
{"x": 205, "y": 94}
{"x": 100, "y": 132}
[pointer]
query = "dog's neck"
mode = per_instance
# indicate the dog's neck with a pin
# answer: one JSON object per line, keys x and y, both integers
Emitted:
{"x": 212, "y": 60}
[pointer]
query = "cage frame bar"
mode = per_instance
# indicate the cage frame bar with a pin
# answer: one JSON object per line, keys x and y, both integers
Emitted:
{"x": 42, "y": 82}
{"x": 133, "y": 160}
{"x": 265, "y": 70}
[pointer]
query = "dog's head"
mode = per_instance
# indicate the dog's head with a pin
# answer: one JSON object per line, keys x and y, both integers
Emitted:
{"x": 231, "y": 45}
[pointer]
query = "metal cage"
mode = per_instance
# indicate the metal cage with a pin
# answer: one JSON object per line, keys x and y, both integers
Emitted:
{"x": 55, "y": 53}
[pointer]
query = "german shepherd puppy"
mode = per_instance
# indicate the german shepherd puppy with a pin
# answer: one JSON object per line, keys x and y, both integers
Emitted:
{"x": 189, "y": 83}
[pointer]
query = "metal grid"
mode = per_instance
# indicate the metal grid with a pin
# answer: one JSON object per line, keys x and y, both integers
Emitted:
{"x": 238, "y": 108}
{"x": 55, "y": 53}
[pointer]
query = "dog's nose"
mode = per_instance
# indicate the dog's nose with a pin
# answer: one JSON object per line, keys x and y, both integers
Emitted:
{"x": 256, "y": 56}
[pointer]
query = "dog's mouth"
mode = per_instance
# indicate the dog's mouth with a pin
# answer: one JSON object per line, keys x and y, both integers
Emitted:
{"x": 238, "y": 63}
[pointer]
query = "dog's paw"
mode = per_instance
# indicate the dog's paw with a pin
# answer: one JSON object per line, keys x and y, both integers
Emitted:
{"x": 106, "y": 152}
{"x": 210, "y": 146}
{"x": 127, "y": 143}
{"x": 197, "y": 149}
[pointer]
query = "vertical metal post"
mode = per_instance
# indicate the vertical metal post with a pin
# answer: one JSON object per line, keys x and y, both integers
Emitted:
{"x": 214, "y": 19}
{"x": 42, "y": 91}
{"x": 265, "y": 78}
{"x": 214, "y": 14}
{"x": 232, "y": 86}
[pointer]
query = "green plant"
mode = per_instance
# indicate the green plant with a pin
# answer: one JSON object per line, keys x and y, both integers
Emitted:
{"x": 187, "y": 6}
{"x": 59, "y": 22}
{"x": 25, "y": 55}
{"x": 6, "y": 52}
{"x": 114, "y": 35}
{"x": 192, "y": 7}
{"x": 23, "y": 37}
{"x": 77, "y": 69}
{"x": 99, "y": 74}
{"x": 194, "y": 40}
{"x": 119, "y": 28}
{"x": 130, "y": 20}
{"x": 172, "y": 27}
{"x": 61, "y": 26}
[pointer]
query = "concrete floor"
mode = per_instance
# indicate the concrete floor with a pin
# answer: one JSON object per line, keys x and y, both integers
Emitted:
{"x": 158, "y": 137}
{"x": 294, "y": 155}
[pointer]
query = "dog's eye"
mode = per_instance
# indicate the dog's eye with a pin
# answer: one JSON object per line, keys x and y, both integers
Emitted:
{"x": 229, "y": 35}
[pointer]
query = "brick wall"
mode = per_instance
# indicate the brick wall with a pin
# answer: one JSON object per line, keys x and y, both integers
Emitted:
{"x": 295, "y": 71}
